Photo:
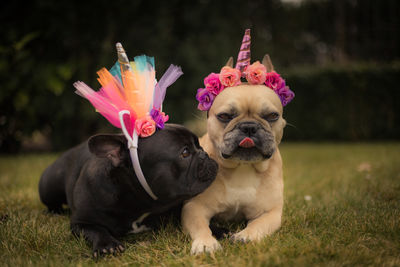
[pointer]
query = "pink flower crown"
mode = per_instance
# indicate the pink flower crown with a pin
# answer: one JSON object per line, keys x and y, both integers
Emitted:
{"x": 255, "y": 74}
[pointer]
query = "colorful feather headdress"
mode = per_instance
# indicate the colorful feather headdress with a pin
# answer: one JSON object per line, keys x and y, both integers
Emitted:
{"x": 255, "y": 74}
{"x": 131, "y": 99}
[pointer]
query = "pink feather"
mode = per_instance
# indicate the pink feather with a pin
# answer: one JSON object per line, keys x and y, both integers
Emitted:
{"x": 100, "y": 102}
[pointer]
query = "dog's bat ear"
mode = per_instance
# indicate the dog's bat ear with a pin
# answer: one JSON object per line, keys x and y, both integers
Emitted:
{"x": 108, "y": 146}
{"x": 229, "y": 63}
{"x": 267, "y": 63}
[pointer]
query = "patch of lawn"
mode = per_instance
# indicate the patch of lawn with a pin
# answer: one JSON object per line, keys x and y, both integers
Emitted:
{"x": 342, "y": 208}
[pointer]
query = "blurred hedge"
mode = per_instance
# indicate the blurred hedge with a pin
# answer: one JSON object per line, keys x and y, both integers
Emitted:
{"x": 354, "y": 103}
{"x": 47, "y": 45}
{"x": 359, "y": 102}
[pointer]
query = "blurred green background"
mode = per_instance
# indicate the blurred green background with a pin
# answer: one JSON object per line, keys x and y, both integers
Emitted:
{"x": 340, "y": 57}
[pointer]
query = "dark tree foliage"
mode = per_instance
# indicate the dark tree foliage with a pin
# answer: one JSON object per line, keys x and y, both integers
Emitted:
{"x": 47, "y": 45}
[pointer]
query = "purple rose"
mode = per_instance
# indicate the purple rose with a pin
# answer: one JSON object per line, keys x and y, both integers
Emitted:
{"x": 274, "y": 81}
{"x": 285, "y": 94}
{"x": 205, "y": 99}
{"x": 213, "y": 84}
{"x": 159, "y": 118}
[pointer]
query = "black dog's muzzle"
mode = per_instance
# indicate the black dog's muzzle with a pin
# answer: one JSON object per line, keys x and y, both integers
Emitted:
{"x": 206, "y": 167}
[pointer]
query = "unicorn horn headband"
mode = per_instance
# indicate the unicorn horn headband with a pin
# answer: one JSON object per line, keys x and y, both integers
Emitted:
{"x": 243, "y": 59}
{"x": 131, "y": 99}
{"x": 255, "y": 74}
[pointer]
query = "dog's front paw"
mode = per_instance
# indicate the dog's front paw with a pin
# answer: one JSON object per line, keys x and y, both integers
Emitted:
{"x": 107, "y": 247}
{"x": 247, "y": 235}
{"x": 200, "y": 245}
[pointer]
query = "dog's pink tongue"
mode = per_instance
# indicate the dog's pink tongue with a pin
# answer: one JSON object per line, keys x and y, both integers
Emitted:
{"x": 247, "y": 143}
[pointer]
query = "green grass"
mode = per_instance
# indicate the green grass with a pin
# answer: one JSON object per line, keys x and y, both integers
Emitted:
{"x": 352, "y": 219}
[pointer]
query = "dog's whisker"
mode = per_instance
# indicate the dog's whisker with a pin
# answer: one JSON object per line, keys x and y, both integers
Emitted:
{"x": 291, "y": 125}
{"x": 197, "y": 116}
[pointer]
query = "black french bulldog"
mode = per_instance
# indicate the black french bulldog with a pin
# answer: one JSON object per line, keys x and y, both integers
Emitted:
{"x": 97, "y": 181}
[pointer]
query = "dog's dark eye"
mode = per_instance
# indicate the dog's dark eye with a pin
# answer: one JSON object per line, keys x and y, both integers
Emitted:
{"x": 224, "y": 117}
{"x": 185, "y": 153}
{"x": 271, "y": 117}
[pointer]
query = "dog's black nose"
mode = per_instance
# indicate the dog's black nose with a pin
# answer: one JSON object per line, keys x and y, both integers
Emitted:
{"x": 249, "y": 128}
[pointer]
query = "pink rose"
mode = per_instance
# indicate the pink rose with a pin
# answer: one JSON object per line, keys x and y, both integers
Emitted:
{"x": 256, "y": 73}
{"x": 274, "y": 81}
{"x": 213, "y": 84}
{"x": 229, "y": 76}
{"x": 145, "y": 126}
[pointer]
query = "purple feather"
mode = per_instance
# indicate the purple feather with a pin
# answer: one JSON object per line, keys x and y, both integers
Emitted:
{"x": 169, "y": 77}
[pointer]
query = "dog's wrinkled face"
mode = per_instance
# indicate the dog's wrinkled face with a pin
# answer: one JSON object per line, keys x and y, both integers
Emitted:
{"x": 175, "y": 165}
{"x": 245, "y": 123}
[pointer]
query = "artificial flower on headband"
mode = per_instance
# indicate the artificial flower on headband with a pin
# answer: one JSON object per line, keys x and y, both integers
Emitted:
{"x": 213, "y": 83}
{"x": 205, "y": 98}
{"x": 255, "y": 74}
{"x": 145, "y": 127}
{"x": 159, "y": 118}
{"x": 229, "y": 76}
{"x": 131, "y": 99}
